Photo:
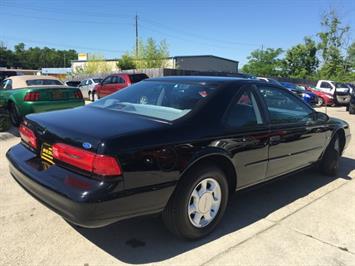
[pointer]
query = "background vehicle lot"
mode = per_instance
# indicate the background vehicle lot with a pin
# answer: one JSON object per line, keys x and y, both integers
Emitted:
{"x": 305, "y": 218}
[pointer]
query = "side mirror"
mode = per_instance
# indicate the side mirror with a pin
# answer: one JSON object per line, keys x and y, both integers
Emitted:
{"x": 321, "y": 117}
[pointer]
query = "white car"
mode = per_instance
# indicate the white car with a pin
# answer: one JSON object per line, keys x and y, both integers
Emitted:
{"x": 87, "y": 85}
{"x": 340, "y": 91}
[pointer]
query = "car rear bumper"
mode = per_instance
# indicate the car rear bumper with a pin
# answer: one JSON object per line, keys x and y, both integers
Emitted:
{"x": 81, "y": 200}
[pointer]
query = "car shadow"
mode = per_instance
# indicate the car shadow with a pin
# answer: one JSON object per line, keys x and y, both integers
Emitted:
{"x": 145, "y": 239}
{"x": 9, "y": 134}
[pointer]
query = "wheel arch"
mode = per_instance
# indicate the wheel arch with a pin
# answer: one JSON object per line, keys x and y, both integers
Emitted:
{"x": 222, "y": 161}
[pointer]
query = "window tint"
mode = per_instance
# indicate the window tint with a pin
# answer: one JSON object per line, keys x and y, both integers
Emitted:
{"x": 117, "y": 80}
{"x": 163, "y": 100}
{"x": 35, "y": 82}
{"x": 284, "y": 107}
{"x": 244, "y": 112}
{"x": 325, "y": 85}
{"x": 89, "y": 82}
{"x": 107, "y": 80}
{"x": 137, "y": 77}
{"x": 6, "y": 84}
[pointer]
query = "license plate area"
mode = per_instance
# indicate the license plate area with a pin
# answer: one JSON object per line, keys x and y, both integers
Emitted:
{"x": 47, "y": 153}
{"x": 57, "y": 95}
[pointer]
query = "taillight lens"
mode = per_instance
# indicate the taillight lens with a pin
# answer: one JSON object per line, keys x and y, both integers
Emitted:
{"x": 28, "y": 136}
{"x": 32, "y": 96}
{"x": 78, "y": 94}
{"x": 98, "y": 164}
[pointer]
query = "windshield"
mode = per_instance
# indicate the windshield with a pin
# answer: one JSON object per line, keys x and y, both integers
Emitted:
{"x": 97, "y": 80}
{"x": 340, "y": 85}
{"x": 35, "y": 82}
{"x": 162, "y": 100}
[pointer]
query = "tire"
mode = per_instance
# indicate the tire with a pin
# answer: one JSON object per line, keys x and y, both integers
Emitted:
{"x": 95, "y": 97}
{"x": 329, "y": 164}
{"x": 15, "y": 117}
{"x": 320, "y": 101}
{"x": 177, "y": 215}
{"x": 5, "y": 123}
{"x": 351, "y": 110}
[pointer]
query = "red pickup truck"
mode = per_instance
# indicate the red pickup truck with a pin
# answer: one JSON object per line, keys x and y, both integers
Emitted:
{"x": 116, "y": 82}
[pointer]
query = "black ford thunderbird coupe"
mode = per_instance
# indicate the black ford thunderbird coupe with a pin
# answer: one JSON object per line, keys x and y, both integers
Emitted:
{"x": 176, "y": 145}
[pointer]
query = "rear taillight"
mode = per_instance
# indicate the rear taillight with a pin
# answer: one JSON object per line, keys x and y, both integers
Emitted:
{"x": 78, "y": 95}
{"x": 28, "y": 136}
{"x": 32, "y": 96}
{"x": 98, "y": 164}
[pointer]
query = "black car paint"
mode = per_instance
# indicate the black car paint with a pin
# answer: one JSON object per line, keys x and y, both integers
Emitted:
{"x": 154, "y": 154}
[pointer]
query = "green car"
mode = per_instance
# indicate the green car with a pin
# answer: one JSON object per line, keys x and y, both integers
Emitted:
{"x": 22, "y": 95}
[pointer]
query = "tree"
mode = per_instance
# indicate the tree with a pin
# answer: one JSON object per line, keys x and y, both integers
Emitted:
{"x": 126, "y": 62}
{"x": 350, "y": 58}
{"x": 151, "y": 54}
{"x": 264, "y": 62}
{"x": 332, "y": 40}
{"x": 301, "y": 61}
{"x": 95, "y": 65}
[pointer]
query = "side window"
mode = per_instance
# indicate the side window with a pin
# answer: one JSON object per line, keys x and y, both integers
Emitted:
{"x": 107, "y": 80}
{"x": 325, "y": 85}
{"x": 6, "y": 84}
{"x": 89, "y": 82}
{"x": 284, "y": 107}
{"x": 121, "y": 80}
{"x": 83, "y": 83}
{"x": 244, "y": 112}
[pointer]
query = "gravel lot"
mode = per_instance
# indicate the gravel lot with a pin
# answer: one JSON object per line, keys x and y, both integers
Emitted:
{"x": 302, "y": 219}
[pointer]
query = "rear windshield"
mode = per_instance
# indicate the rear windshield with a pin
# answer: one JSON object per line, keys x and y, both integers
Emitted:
{"x": 137, "y": 77}
{"x": 161, "y": 100}
{"x": 35, "y": 82}
{"x": 97, "y": 80}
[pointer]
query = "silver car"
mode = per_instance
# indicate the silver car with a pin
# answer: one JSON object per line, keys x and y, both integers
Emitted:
{"x": 87, "y": 85}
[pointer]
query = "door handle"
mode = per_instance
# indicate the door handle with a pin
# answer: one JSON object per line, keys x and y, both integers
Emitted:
{"x": 273, "y": 140}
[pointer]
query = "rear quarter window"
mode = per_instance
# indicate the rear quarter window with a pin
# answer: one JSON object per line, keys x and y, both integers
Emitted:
{"x": 137, "y": 77}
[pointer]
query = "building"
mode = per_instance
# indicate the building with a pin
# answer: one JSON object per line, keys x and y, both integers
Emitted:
{"x": 209, "y": 63}
{"x": 203, "y": 63}
{"x": 60, "y": 72}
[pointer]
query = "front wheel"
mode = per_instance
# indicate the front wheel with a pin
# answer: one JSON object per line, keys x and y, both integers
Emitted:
{"x": 198, "y": 203}
{"x": 320, "y": 101}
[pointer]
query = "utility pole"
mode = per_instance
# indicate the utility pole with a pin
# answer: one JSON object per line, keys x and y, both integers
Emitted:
{"x": 136, "y": 18}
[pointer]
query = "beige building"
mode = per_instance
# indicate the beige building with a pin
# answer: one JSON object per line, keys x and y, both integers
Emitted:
{"x": 192, "y": 62}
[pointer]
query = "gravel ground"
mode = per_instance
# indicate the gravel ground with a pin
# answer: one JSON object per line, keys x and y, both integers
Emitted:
{"x": 302, "y": 219}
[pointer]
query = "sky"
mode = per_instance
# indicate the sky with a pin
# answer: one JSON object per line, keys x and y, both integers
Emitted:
{"x": 225, "y": 28}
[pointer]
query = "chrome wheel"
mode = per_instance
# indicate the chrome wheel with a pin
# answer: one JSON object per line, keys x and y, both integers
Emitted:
{"x": 204, "y": 203}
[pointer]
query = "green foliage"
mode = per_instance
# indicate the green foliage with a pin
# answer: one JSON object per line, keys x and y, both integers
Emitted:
{"x": 95, "y": 65}
{"x": 351, "y": 56}
{"x": 35, "y": 57}
{"x": 301, "y": 60}
{"x": 264, "y": 62}
{"x": 126, "y": 62}
{"x": 151, "y": 54}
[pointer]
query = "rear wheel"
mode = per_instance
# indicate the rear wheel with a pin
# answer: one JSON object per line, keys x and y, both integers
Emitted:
{"x": 15, "y": 117}
{"x": 94, "y": 96}
{"x": 330, "y": 162}
{"x": 198, "y": 203}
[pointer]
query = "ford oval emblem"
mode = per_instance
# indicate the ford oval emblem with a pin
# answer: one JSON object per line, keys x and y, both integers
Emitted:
{"x": 87, "y": 145}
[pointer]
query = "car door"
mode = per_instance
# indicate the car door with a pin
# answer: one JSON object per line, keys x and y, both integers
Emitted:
{"x": 296, "y": 139}
{"x": 106, "y": 86}
{"x": 119, "y": 83}
{"x": 246, "y": 136}
{"x": 327, "y": 87}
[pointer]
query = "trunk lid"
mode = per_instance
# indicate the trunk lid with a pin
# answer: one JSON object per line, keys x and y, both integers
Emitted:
{"x": 87, "y": 127}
